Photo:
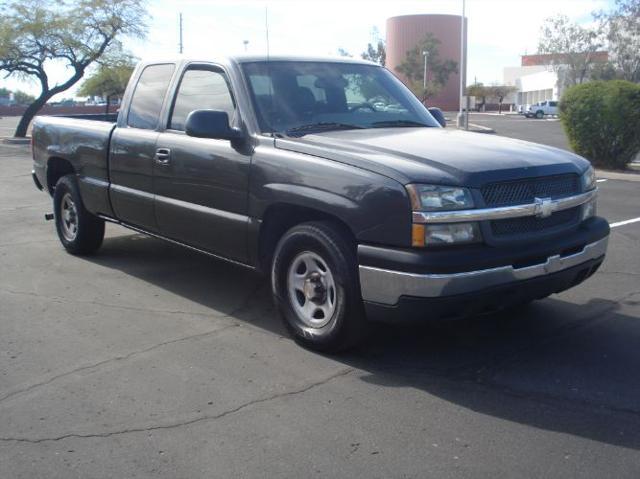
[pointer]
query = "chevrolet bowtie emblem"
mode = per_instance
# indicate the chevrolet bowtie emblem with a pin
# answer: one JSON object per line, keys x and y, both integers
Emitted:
{"x": 544, "y": 207}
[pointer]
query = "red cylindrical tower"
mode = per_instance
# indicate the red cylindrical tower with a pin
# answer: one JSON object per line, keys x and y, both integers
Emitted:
{"x": 406, "y": 31}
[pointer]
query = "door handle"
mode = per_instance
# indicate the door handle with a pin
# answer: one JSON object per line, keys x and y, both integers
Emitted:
{"x": 163, "y": 155}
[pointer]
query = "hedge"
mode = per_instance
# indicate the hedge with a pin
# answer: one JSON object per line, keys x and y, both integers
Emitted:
{"x": 602, "y": 121}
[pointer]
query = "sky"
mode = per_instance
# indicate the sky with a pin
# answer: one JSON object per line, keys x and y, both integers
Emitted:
{"x": 500, "y": 31}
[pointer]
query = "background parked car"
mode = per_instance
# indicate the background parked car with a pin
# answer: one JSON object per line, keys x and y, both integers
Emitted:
{"x": 540, "y": 109}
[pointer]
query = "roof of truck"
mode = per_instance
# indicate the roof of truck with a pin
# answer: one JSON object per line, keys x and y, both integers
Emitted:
{"x": 296, "y": 58}
{"x": 247, "y": 58}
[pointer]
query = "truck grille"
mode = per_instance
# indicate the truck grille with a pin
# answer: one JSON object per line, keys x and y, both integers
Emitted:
{"x": 525, "y": 191}
{"x": 532, "y": 224}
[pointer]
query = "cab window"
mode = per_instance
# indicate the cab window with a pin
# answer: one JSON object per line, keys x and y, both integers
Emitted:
{"x": 148, "y": 96}
{"x": 201, "y": 89}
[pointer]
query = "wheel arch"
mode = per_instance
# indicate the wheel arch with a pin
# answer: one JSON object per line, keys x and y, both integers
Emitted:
{"x": 57, "y": 167}
{"x": 279, "y": 217}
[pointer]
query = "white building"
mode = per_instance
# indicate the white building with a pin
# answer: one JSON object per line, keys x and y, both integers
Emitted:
{"x": 534, "y": 83}
{"x": 536, "y": 80}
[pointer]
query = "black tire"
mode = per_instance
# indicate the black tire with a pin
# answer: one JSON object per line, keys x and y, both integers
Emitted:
{"x": 346, "y": 326}
{"x": 539, "y": 114}
{"x": 89, "y": 229}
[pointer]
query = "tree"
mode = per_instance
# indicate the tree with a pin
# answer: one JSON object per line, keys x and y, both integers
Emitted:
{"x": 110, "y": 79}
{"x": 499, "y": 92}
{"x": 376, "y": 51}
{"x": 344, "y": 53}
{"x": 22, "y": 98}
{"x": 34, "y": 35}
{"x": 478, "y": 90}
{"x": 438, "y": 70}
{"x": 622, "y": 27}
{"x": 570, "y": 46}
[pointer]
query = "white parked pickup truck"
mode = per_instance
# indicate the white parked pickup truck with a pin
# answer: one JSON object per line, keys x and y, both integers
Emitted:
{"x": 540, "y": 109}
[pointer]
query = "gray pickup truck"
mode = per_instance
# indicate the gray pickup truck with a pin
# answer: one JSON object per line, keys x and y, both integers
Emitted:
{"x": 330, "y": 177}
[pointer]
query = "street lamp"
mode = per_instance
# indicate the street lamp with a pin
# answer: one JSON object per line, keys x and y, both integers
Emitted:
{"x": 425, "y": 54}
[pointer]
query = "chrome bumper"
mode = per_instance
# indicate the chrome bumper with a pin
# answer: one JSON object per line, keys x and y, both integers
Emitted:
{"x": 386, "y": 286}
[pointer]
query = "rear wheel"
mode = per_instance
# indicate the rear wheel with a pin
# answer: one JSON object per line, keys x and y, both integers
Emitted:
{"x": 79, "y": 231}
{"x": 316, "y": 289}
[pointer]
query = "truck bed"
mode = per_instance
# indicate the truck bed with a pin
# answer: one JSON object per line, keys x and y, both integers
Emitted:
{"x": 80, "y": 142}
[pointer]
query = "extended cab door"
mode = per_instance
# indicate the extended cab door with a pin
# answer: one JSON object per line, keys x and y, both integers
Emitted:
{"x": 133, "y": 148}
{"x": 201, "y": 184}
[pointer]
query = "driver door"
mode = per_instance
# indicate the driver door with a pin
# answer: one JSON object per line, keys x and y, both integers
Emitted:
{"x": 200, "y": 184}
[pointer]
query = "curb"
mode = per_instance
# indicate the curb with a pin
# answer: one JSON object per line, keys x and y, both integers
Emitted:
{"x": 11, "y": 140}
{"x": 618, "y": 175}
{"x": 479, "y": 129}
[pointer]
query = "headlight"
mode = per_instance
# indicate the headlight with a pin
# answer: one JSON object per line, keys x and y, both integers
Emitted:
{"x": 442, "y": 198}
{"x": 445, "y": 234}
{"x": 452, "y": 233}
{"x": 589, "y": 179}
{"x": 589, "y": 209}
{"x": 434, "y": 197}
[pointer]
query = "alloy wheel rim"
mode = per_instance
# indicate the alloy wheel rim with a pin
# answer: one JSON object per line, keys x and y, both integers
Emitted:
{"x": 69, "y": 217}
{"x": 312, "y": 289}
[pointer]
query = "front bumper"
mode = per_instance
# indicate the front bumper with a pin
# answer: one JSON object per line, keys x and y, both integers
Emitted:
{"x": 387, "y": 286}
{"x": 390, "y": 279}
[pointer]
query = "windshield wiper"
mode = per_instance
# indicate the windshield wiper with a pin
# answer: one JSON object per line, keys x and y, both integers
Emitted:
{"x": 396, "y": 123}
{"x": 321, "y": 126}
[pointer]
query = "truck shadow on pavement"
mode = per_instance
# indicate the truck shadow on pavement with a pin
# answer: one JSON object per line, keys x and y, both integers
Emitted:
{"x": 556, "y": 365}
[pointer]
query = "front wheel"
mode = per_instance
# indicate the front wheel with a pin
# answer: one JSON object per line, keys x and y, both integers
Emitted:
{"x": 315, "y": 287}
{"x": 79, "y": 231}
{"x": 539, "y": 114}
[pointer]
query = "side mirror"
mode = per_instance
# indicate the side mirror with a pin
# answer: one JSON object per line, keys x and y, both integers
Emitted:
{"x": 438, "y": 115}
{"x": 211, "y": 124}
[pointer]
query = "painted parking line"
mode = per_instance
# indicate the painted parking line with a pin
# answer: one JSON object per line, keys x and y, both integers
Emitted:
{"x": 601, "y": 180}
{"x": 625, "y": 222}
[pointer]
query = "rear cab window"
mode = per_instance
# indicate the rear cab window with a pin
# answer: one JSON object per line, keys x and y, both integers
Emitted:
{"x": 148, "y": 96}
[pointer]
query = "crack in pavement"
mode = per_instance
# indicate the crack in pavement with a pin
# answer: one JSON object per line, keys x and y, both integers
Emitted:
{"x": 188, "y": 422}
{"x": 123, "y": 357}
{"x": 60, "y": 300}
{"x": 23, "y": 207}
{"x": 243, "y": 305}
{"x": 21, "y": 243}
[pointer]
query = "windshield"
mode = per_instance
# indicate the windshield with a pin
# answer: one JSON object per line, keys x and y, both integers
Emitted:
{"x": 295, "y": 98}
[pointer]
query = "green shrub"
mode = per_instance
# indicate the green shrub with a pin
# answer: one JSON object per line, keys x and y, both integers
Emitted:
{"x": 602, "y": 121}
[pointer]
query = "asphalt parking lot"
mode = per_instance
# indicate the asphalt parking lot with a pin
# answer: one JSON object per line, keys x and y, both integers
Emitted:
{"x": 547, "y": 130}
{"x": 148, "y": 360}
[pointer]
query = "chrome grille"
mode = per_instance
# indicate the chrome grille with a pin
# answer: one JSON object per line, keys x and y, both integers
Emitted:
{"x": 520, "y": 192}
{"x": 525, "y": 191}
{"x": 533, "y": 224}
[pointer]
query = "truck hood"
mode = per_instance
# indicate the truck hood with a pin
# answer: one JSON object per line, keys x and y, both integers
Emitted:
{"x": 437, "y": 155}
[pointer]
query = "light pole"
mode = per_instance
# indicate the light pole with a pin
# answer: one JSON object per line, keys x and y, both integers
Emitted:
{"x": 181, "y": 46}
{"x": 425, "y": 54}
{"x": 463, "y": 120}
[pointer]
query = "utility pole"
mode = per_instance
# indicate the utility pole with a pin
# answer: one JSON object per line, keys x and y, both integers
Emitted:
{"x": 425, "y": 54}
{"x": 463, "y": 120}
{"x": 180, "y": 45}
